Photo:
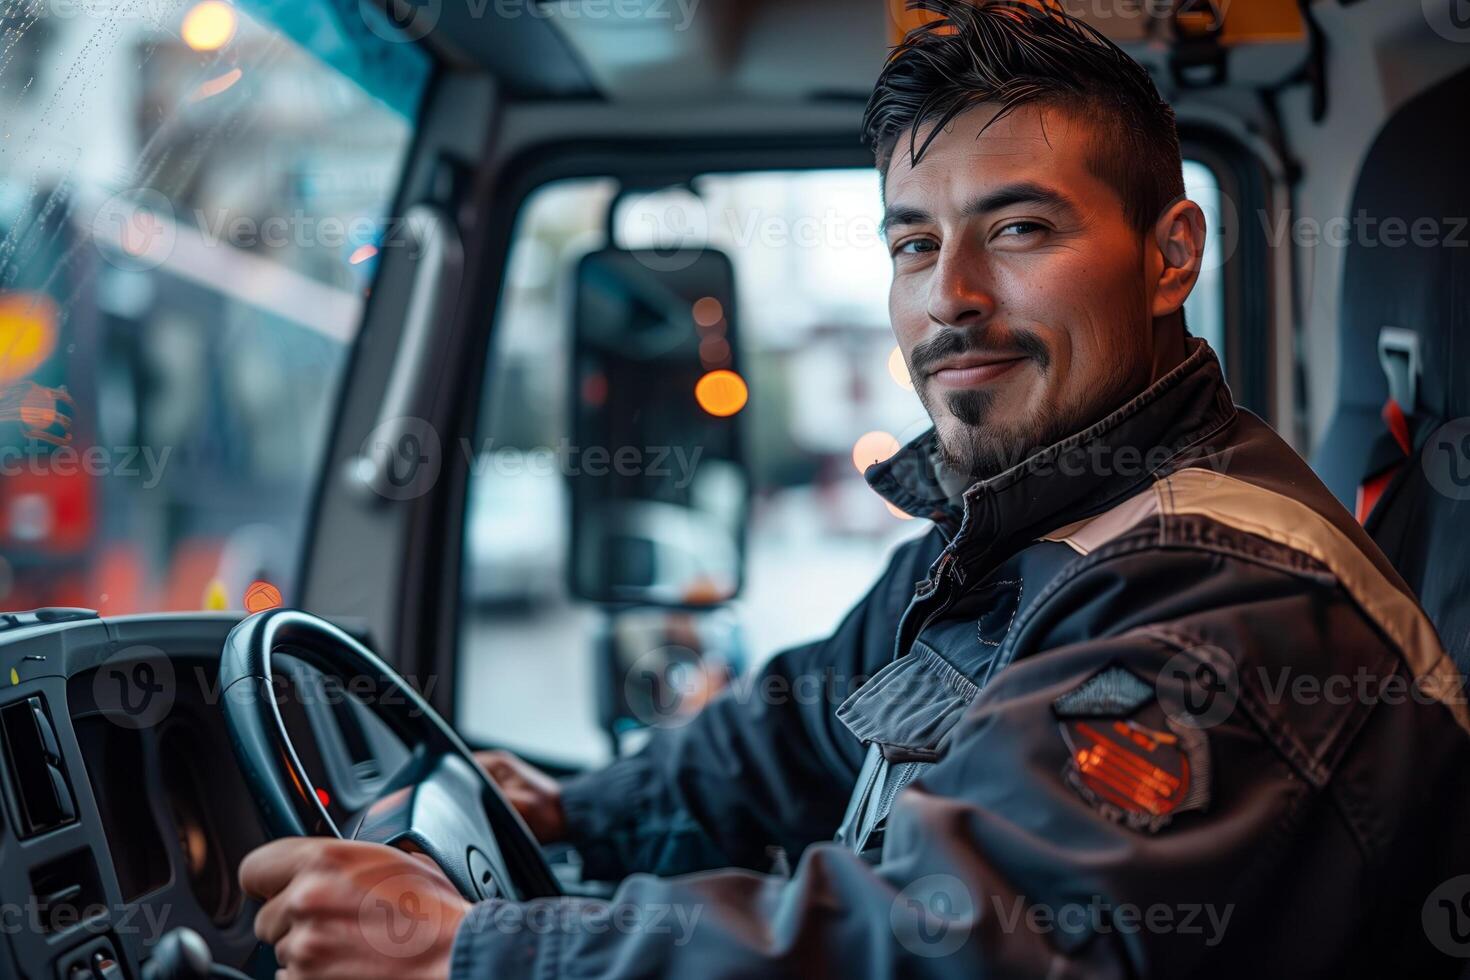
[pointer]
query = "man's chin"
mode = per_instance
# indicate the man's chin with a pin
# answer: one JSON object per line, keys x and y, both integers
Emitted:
{"x": 979, "y": 452}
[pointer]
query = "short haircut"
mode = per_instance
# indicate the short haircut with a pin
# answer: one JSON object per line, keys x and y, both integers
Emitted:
{"x": 1018, "y": 52}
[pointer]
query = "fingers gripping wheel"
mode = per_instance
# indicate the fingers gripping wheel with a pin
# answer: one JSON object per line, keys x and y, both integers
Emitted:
{"x": 440, "y": 802}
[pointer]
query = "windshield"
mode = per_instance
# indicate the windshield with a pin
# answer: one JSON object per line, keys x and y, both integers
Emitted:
{"x": 191, "y": 199}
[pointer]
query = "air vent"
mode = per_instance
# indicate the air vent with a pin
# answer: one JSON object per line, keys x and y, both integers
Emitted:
{"x": 37, "y": 774}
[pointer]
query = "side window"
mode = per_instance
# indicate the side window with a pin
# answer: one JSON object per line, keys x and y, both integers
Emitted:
{"x": 828, "y": 388}
{"x": 182, "y": 272}
{"x": 1204, "y": 311}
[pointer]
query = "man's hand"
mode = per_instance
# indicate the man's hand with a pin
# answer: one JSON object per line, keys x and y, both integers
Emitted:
{"x": 347, "y": 910}
{"x": 535, "y": 795}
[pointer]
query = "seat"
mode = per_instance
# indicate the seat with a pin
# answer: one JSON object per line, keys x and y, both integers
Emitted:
{"x": 1418, "y": 170}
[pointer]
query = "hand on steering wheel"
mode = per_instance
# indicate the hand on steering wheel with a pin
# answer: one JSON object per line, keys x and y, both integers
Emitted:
{"x": 440, "y": 804}
{"x": 338, "y": 908}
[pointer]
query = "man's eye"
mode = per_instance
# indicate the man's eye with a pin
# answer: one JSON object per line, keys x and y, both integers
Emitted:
{"x": 914, "y": 246}
{"x": 1018, "y": 228}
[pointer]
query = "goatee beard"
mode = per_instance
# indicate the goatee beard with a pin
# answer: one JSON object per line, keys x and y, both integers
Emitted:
{"x": 977, "y": 449}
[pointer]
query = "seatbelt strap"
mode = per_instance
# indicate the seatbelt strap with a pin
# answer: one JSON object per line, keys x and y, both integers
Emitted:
{"x": 1372, "y": 487}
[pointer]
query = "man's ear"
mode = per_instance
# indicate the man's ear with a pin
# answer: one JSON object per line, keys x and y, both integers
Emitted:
{"x": 1179, "y": 236}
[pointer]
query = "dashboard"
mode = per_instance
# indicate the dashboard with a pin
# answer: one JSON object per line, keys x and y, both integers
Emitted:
{"x": 123, "y": 813}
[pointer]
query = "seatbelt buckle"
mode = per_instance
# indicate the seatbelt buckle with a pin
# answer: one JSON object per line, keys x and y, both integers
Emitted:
{"x": 1400, "y": 358}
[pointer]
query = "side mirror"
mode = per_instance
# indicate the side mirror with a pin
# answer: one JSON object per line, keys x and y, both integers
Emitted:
{"x": 660, "y": 495}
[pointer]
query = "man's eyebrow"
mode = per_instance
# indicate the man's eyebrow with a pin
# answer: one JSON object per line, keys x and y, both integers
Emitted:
{"x": 897, "y": 215}
{"x": 1022, "y": 192}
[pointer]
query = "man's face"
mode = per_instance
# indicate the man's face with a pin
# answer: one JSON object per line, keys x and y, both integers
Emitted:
{"x": 1019, "y": 294}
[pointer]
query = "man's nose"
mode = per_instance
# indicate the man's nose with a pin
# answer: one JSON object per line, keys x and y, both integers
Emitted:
{"x": 960, "y": 294}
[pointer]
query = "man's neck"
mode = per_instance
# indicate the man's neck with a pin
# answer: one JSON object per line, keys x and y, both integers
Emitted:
{"x": 1169, "y": 347}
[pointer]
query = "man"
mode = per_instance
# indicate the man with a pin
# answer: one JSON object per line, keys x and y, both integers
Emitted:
{"x": 1100, "y": 734}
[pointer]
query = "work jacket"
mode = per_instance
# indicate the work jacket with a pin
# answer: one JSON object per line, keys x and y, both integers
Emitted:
{"x": 1147, "y": 703}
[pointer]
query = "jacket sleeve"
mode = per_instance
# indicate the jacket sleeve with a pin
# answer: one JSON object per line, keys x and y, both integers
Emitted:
{"x": 764, "y": 766}
{"x": 994, "y": 864}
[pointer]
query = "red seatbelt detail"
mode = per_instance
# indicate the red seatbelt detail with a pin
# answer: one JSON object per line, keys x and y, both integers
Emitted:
{"x": 1398, "y": 425}
{"x": 1371, "y": 489}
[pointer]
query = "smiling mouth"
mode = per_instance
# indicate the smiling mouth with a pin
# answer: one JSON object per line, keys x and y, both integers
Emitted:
{"x": 969, "y": 372}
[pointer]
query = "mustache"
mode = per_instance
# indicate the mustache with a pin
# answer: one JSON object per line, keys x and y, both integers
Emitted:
{"x": 952, "y": 343}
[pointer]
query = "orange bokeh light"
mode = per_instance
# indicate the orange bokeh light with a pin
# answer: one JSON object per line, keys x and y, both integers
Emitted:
{"x": 898, "y": 369}
{"x": 28, "y": 324}
{"x": 714, "y": 350}
{"x": 721, "y": 393}
{"x": 873, "y": 447}
{"x": 708, "y": 311}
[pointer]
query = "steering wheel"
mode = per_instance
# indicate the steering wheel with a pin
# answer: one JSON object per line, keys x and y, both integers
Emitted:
{"x": 440, "y": 802}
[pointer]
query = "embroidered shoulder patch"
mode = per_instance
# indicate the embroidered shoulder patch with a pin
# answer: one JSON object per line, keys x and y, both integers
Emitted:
{"x": 1112, "y": 691}
{"x": 1135, "y": 771}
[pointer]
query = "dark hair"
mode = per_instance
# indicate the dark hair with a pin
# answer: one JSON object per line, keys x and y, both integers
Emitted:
{"x": 1015, "y": 52}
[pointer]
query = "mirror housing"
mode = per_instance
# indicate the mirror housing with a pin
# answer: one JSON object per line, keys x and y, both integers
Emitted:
{"x": 661, "y": 496}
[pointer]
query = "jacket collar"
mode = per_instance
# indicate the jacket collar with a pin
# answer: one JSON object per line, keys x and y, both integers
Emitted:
{"x": 1084, "y": 474}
